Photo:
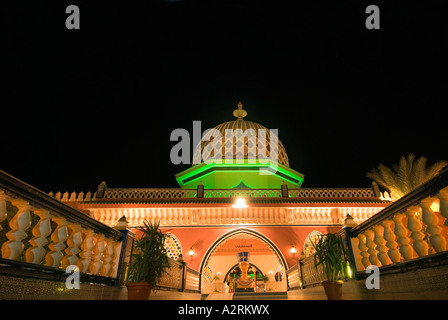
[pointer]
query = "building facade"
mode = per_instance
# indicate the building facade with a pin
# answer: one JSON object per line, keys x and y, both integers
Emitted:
{"x": 239, "y": 195}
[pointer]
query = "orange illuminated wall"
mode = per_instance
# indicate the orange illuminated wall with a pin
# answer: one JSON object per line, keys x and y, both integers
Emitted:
{"x": 232, "y": 246}
{"x": 202, "y": 238}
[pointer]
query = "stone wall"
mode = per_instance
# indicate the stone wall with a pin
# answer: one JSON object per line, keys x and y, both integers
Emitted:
{"x": 17, "y": 288}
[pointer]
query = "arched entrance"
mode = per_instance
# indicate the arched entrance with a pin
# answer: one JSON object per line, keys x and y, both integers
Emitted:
{"x": 220, "y": 258}
{"x": 254, "y": 272}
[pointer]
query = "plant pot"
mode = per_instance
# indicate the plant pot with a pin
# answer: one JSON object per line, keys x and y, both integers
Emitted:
{"x": 333, "y": 289}
{"x": 138, "y": 290}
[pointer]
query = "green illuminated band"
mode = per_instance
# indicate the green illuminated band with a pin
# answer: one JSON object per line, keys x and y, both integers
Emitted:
{"x": 257, "y": 174}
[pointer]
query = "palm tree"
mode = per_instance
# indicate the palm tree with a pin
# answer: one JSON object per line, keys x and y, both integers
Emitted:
{"x": 408, "y": 175}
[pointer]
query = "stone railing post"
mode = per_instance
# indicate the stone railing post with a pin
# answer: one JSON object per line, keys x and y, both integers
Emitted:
{"x": 443, "y": 204}
{"x": 107, "y": 259}
{"x": 21, "y": 221}
{"x": 40, "y": 232}
{"x": 73, "y": 242}
{"x": 371, "y": 245}
{"x": 356, "y": 254}
{"x": 415, "y": 226}
{"x": 116, "y": 258}
{"x": 86, "y": 251}
{"x": 402, "y": 234}
{"x": 390, "y": 237}
{"x": 58, "y": 237}
{"x": 97, "y": 258}
{"x": 3, "y": 212}
{"x": 363, "y": 250}
{"x": 431, "y": 220}
{"x": 380, "y": 245}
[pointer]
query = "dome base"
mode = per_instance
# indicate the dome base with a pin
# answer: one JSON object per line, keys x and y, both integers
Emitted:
{"x": 253, "y": 173}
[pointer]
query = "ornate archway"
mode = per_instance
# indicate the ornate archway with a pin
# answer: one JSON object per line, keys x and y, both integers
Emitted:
{"x": 240, "y": 240}
{"x": 236, "y": 266}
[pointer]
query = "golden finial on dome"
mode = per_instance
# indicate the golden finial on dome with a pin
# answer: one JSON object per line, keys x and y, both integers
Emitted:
{"x": 240, "y": 113}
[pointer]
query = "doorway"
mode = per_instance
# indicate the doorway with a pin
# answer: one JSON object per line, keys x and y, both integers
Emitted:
{"x": 221, "y": 259}
{"x": 254, "y": 272}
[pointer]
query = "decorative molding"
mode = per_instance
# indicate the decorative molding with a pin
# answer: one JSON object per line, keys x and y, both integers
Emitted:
{"x": 172, "y": 217}
{"x": 178, "y": 193}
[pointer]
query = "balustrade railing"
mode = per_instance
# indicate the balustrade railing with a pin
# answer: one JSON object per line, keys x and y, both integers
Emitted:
{"x": 41, "y": 235}
{"x": 149, "y": 193}
{"x": 191, "y": 280}
{"x": 332, "y": 193}
{"x": 246, "y": 193}
{"x": 305, "y": 274}
{"x": 294, "y": 277}
{"x": 179, "y": 277}
{"x": 173, "y": 278}
{"x": 311, "y": 275}
{"x": 412, "y": 230}
{"x": 180, "y": 193}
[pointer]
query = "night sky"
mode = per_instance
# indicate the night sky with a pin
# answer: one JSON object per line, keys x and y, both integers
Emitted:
{"x": 82, "y": 106}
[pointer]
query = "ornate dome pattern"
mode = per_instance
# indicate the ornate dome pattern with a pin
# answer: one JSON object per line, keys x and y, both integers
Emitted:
{"x": 249, "y": 140}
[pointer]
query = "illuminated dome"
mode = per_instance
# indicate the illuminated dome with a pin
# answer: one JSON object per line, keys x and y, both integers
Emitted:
{"x": 240, "y": 154}
{"x": 244, "y": 144}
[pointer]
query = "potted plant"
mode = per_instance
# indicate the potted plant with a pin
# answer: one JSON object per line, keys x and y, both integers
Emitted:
{"x": 149, "y": 262}
{"x": 329, "y": 254}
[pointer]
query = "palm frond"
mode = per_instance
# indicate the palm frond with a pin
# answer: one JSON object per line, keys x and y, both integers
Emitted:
{"x": 404, "y": 171}
{"x": 406, "y": 176}
{"x": 435, "y": 169}
{"x": 418, "y": 174}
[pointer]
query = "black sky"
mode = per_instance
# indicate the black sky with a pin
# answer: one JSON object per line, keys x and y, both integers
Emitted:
{"x": 99, "y": 103}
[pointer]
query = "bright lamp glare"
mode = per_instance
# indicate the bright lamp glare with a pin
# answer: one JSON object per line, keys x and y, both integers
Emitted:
{"x": 240, "y": 203}
{"x": 293, "y": 250}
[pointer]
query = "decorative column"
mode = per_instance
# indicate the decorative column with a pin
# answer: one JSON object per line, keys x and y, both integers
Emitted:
{"x": 21, "y": 221}
{"x": 402, "y": 233}
{"x": 443, "y": 204}
{"x": 3, "y": 212}
{"x": 97, "y": 263}
{"x": 73, "y": 243}
{"x": 380, "y": 245}
{"x": 116, "y": 259}
{"x": 431, "y": 220}
{"x": 371, "y": 245}
{"x": 59, "y": 236}
{"x": 40, "y": 232}
{"x": 86, "y": 253}
{"x": 107, "y": 259}
{"x": 390, "y": 237}
{"x": 357, "y": 254}
{"x": 415, "y": 226}
{"x": 363, "y": 249}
